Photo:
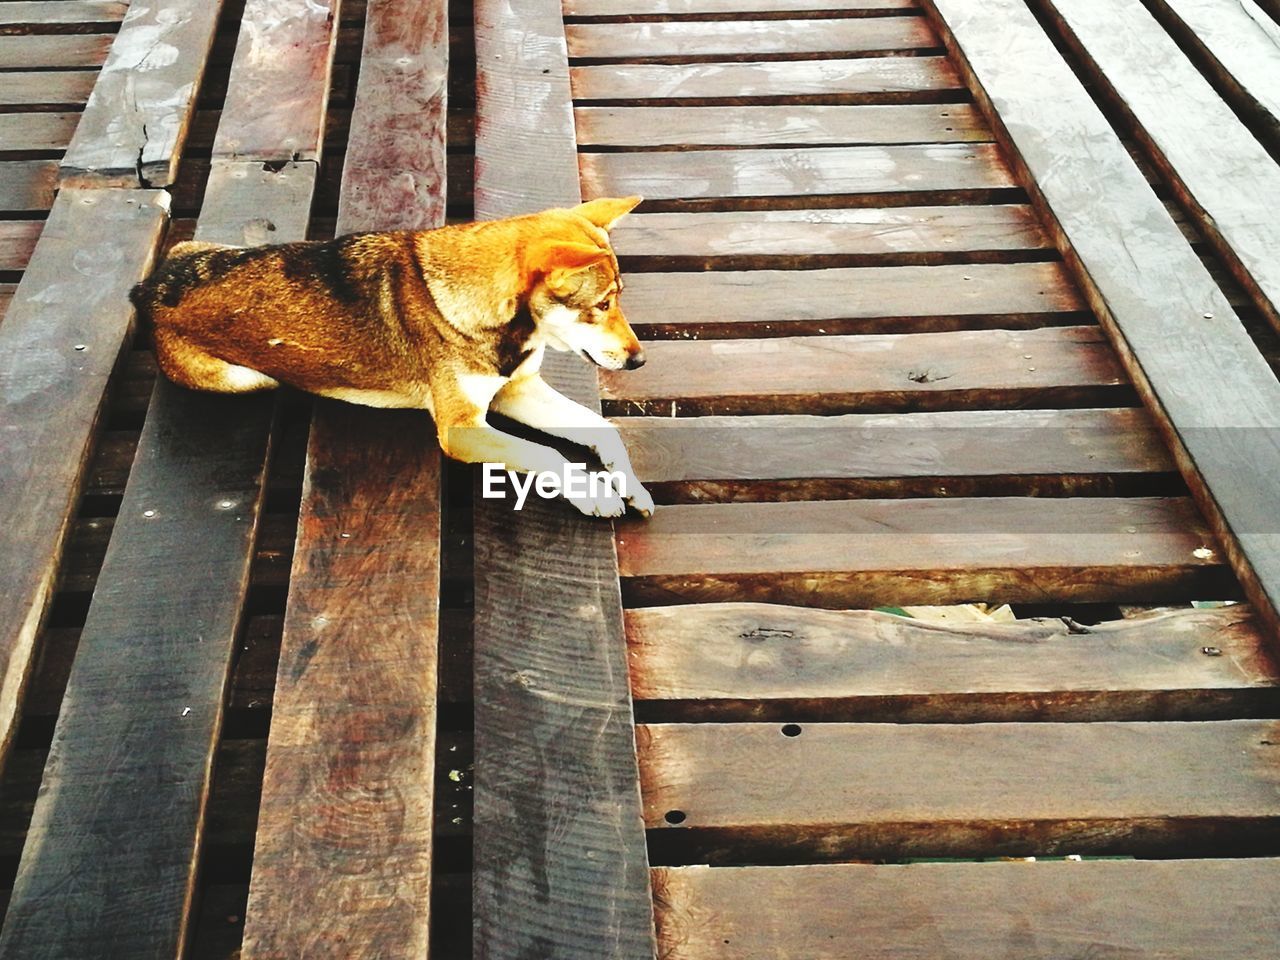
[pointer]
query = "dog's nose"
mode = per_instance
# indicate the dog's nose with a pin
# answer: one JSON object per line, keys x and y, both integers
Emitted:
{"x": 635, "y": 360}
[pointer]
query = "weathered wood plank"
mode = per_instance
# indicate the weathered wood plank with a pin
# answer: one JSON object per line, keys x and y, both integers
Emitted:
{"x": 856, "y": 553}
{"x": 1237, "y": 43}
{"x": 1216, "y": 167}
{"x": 680, "y": 8}
{"x": 1171, "y": 909}
{"x": 286, "y": 47}
{"x": 836, "y": 237}
{"x": 730, "y": 303}
{"x": 394, "y": 172}
{"x": 680, "y": 41}
{"x": 43, "y": 52}
{"x": 353, "y": 735}
{"x": 881, "y": 78}
{"x": 1216, "y": 399}
{"x": 1068, "y": 366}
{"x": 27, "y": 185}
{"x": 41, "y": 88}
{"x": 745, "y": 661}
{"x": 840, "y": 791}
{"x": 17, "y": 240}
{"x": 61, "y": 338}
{"x": 6, "y": 297}
{"x": 111, "y": 872}
{"x": 560, "y": 858}
{"x": 19, "y": 14}
{"x": 778, "y": 126}
{"x": 799, "y": 171}
{"x": 137, "y": 117}
{"x": 952, "y": 453}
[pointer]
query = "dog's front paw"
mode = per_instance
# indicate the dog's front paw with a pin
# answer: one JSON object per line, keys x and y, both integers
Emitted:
{"x": 602, "y": 505}
{"x": 640, "y": 500}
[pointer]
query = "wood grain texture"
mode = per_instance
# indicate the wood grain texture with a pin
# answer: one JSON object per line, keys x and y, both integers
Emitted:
{"x": 18, "y": 14}
{"x": 834, "y": 237}
{"x": 27, "y": 185}
{"x": 1216, "y": 399}
{"x": 1179, "y": 117}
{"x": 1237, "y": 43}
{"x": 842, "y": 791}
{"x": 61, "y": 51}
{"x": 881, "y": 78}
{"x": 285, "y": 47}
{"x": 748, "y": 661}
{"x": 342, "y": 864}
{"x": 800, "y": 171}
{"x": 394, "y": 172}
{"x": 778, "y": 126}
{"x": 136, "y": 120}
{"x": 41, "y": 88}
{"x": 771, "y": 302}
{"x": 864, "y": 553}
{"x": 1173, "y": 909}
{"x": 676, "y": 42}
{"x": 885, "y": 373}
{"x": 62, "y": 337}
{"x": 697, "y": 459}
{"x": 680, "y": 8}
{"x": 560, "y": 858}
{"x": 17, "y": 240}
{"x": 110, "y": 865}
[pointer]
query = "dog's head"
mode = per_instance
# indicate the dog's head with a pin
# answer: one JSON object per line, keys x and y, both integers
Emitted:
{"x": 575, "y": 285}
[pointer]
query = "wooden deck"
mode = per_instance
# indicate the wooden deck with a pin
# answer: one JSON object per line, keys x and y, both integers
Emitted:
{"x": 944, "y": 303}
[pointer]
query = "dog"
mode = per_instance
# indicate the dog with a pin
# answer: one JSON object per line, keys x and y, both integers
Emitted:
{"x": 454, "y": 321}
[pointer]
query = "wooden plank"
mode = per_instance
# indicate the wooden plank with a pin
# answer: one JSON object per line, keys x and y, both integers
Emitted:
{"x": 559, "y": 848}
{"x": 63, "y": 335}
{"x": 1216, "y": 399}
{"x": 855, "y": 553}
{"x": 836, "y": 237}
{"x": 112, "y": 872}
{"x": 23, "y": 14}
{"x": 1069, "y": 366}
{"x": 1217, "y": 168}
{"x": 37, "y": 131}
{"x": 353, "y": 736}
{"x": 6, "y": 297}
{"x": 27, "y": 185}
{"x": 1236, "y": 42}
{"x": 287, "y": 46}
{"x": 683, "y": 8}
{"x": 729, "y": 303}
{"x": 778, "y": 126}
{"x": 42, "y": 88}
{"x": 883, "y": 78}
{"x": 137, "y": 117}
{"x": 43, "y": 52}
{"x": 17, "y": 240}
{"x": 981, "y": 789}
{"x": 942, "y": 169}
{"x": 745, "y": 661}
{"x": 394, "y": 171}
{"x": 686, "y": 42}
{"x": 954, "y": 453}
{"x": 1171, "y": 909}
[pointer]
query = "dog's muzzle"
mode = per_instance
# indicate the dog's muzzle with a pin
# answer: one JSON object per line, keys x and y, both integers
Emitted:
{"x": 635, "y": 360}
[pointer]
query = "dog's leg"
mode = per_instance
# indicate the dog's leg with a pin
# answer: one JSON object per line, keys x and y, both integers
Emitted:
{"x": 189, "y": 366}
{"x": 535, "y": 403}
{"x": 465, "y": 435}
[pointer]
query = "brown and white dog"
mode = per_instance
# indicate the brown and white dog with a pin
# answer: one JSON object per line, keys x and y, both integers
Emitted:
{"x": 454, "y": 321}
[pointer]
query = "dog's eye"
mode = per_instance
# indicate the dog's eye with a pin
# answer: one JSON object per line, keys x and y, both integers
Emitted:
{"x": 605, "y": 304}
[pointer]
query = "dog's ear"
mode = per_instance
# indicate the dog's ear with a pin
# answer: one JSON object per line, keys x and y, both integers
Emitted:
{"x": 607, "y": 211}
{"x": 558, "y": 260}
